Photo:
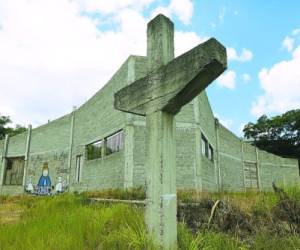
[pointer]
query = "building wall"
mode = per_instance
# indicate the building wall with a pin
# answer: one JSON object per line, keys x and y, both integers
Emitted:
{"x": 61, "y": 141}
{"x": 230, "y": 160}
{"x": 209, "y": 173}
{"x": 233, "y": 153}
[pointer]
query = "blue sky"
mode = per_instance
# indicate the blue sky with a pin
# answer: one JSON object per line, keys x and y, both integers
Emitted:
{"x": 55, "y": 54}
{"x": 259, "y": 26}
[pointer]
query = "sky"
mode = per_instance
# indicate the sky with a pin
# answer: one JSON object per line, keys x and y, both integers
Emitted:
{"x": 55, "y": 54}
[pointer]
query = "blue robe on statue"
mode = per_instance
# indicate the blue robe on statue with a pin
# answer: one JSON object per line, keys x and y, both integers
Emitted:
{"x": 44, "y": 181}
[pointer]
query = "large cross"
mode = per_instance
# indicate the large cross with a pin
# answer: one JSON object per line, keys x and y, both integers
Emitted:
{"x": 169, "y": 84}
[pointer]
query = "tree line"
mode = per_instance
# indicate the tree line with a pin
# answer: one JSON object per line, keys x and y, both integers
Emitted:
{"x": 278, "y": 135}
{"x": 6, "y": 129}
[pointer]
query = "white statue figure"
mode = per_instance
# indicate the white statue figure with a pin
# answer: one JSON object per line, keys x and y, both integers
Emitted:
{"x": 29, "y": 187}
{"x": 59, "y": 186}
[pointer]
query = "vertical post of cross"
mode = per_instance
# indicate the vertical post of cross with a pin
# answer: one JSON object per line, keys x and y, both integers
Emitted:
{"x": 160, "y": 144}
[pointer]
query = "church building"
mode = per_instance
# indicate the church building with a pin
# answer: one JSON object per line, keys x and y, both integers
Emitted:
{"x": 98, "y": 147}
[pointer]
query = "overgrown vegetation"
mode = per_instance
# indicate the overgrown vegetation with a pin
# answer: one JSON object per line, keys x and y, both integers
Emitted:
{"x": 137, "y": 193}
{"x": 253, "y": 220}
{"x": 279, "y": 134}
{"x": 66, "y": 222}
{"x": 240, "y": 221}
{"x": 5, "y": 129}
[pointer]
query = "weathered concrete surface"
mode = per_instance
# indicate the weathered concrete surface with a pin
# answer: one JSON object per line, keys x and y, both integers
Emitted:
{"x": 160, "y": 42}
{"x": 160, "y": 212}
{"x": 160, "y": 96}
{"x": 175, "y": 84}
{"x": 97, "y": 119}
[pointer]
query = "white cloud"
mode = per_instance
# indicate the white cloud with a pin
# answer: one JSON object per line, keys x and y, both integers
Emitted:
{"x": 246, "y": 78}
{"x": 288, "y": 43}
{"x": 245, "y": 55}
{"x": 186, "y": 40}
{"x": 222, "y": 14}
{"x": 296, "y": 32}
{"x": 162, "y": 10}
{"x": 54, "y": 56}
{"x": 112, "y": 6}
{"x": 227, "y": 80}
{"x": 281, "y": 85}
{"x": 241, "y": 128}
{"x": 183, "y": 9}
{"x": 228, "y": 123}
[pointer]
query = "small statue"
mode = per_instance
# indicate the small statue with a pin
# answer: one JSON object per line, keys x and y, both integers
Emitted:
{"x": 29, "y": 187}
{"x": 59, "y": 186}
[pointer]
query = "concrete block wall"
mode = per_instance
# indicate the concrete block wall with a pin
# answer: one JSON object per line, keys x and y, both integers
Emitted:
{"x": 185, "y": 157}
{"x": 209, "y": 171}
{"x": 52, "y": 136}
{"x": 230, "y": 161}
{"x": 17, "y": 145}
{"x": 96, "y": 120}
{"x": 61, "y": 141}
{"x": 271, "y": 168}
{"x": 57, "y": 162}
{"x": 282, "y": 171}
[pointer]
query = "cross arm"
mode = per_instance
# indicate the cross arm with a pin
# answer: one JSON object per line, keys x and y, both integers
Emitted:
{"x": 175, "y": 84}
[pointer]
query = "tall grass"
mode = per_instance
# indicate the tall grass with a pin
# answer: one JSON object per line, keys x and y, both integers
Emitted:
{"x": 206, "y": 240}
{"x": 70, "y": 222}
{"x": 135, "y": 193}
{"x": 63, "y": 222}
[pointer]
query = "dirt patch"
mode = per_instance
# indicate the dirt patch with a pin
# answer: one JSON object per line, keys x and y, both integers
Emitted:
{"x": 275, "y": 214}
{"x": 10, "y": 213}
{"x": 225, "y": 218}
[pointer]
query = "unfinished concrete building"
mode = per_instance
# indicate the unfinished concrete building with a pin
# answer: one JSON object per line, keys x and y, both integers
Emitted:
{"x": 97, "y": 147}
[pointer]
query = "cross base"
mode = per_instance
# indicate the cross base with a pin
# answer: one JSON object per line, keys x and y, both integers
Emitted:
{"x": 161, "y": 178}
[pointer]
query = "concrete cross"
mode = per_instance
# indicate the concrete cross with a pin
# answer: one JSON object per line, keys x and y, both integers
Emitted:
{"x": 169, "y": 84}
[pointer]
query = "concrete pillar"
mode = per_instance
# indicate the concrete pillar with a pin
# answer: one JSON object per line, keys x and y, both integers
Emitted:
{"x": 128, "y": 155}
{"x": 27, "y": 153}
{"x": 160, "y": 42}
{"x": 4, "y": 160}
{"x": 71, "y": 140}
{"x": 258, "y": 169}
{"x": 217, "y": 158}
{"x": 243, "y": 167}
{"x": 129, "y": 133}
{"x": 161, "y": 208}
{"x": 198, "y": 154}
{"x": 198, "y": 160}
{"x": 161, "y": 178}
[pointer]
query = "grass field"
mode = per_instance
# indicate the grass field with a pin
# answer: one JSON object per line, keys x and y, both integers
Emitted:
{"x": 70, "y": 222}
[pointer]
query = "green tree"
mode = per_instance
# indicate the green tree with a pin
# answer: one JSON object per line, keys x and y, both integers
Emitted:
{"x": 279, "y": 134}
{"x": 4, "y": 129}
